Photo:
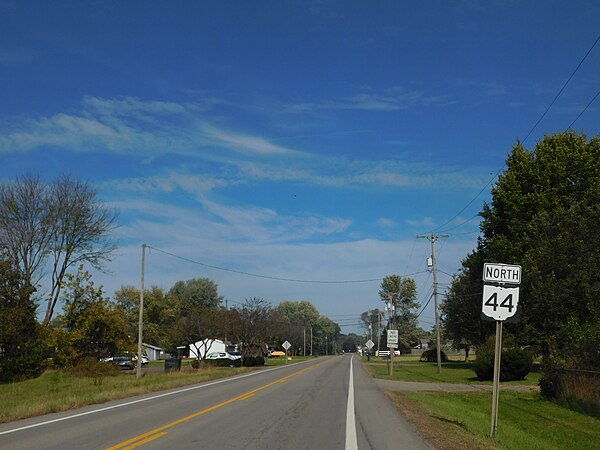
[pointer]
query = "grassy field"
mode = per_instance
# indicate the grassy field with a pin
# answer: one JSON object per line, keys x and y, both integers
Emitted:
{"x": 58, "y": 390}
{"x": 410, "y": 369}
{"x": 525, "y": 421}
{"x": 461, "y": 421}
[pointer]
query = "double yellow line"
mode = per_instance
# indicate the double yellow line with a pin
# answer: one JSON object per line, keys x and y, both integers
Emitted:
{"x": 159, "y": 432}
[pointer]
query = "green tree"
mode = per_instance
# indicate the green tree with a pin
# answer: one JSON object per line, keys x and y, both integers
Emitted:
{"x": 160, "y": 313}
{"x": 96, "y": 327}
{"x": 544, "y": 215}
{"x": 326, "y": 332}
{"x": 195, "y": 293}
{"x": 373, "y": 323}
{"x": 402, "y": 294}
{"x": 295, "y": 319}
{"x": 461, "y": 310}
{"x": 20, "y": 343}
{"x": 196, "y": 304}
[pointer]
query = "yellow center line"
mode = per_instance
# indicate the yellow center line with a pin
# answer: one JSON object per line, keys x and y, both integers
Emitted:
{"x": 158, "y": 432}
{"x": 145, "y": 441}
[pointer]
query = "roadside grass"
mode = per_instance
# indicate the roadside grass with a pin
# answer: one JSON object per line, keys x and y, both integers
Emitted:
{"x": 292, "y": 360}
{"x": 452, "y": 421}
{"x": 461, "y": 372}
{"x": 56, "y": 390}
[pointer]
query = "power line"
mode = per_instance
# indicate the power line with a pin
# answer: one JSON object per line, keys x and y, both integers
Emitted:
{"x": 268, "y": 277}
{"x": 584, "y": 109}
{"x": 562, "y": 88}
{"x": 532, "y": 129}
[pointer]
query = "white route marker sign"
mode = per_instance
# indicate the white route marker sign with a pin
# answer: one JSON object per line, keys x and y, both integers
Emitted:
{"x": 500, "y": 303}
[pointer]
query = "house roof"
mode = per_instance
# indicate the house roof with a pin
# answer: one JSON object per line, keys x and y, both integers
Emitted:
{"x": 153, "y": 347}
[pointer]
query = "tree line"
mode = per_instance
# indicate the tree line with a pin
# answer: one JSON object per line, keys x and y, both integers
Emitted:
{"x": 49, "y": 232}
{"x": 544, "y": 214}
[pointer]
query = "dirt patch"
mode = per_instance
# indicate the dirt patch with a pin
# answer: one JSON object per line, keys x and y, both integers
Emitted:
{"x": 439, "y": 432}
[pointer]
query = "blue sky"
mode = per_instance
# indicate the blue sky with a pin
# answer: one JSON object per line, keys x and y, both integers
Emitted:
{"x": 307, "y": 140}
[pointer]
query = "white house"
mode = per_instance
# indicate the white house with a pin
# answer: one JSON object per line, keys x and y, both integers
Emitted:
{"x": 205, "y": 347}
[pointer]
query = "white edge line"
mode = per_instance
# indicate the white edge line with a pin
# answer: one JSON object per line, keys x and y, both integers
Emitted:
{"x": 351, "y": 441}
{"x": 179, "y": 391}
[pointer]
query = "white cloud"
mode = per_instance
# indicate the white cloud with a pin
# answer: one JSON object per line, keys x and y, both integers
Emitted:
{"x": 395, "y": 98}
{"x": 384, "y": 222}
{"x": 246, "y": 143}
{"x": 149, "y": 129}
{"x": 425, "y": 222}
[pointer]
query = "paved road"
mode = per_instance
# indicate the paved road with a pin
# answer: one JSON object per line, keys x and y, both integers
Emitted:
{"x": 300, "y": 406}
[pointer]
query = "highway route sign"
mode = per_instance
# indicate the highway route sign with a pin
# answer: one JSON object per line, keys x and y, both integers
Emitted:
{"x": 499, "y": 303}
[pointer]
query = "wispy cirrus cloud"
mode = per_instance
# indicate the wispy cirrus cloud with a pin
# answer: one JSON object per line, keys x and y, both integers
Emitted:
{"x": 149, "y": 129}
{"x": 128, "y": 125}
{"x": 392, "y": 99}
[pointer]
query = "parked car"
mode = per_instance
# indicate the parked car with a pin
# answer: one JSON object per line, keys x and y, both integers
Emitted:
{"x": 124, "y": 362}
{"x": 145, "y": 360}
{"x": 133, "y": 358}
{"x": 224, "y": 355}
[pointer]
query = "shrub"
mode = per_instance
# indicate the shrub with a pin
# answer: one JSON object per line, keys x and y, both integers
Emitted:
{"x": 223, "y": 362}
{"x": 431, "y": 355}
{"x": 90, "y": 367}
{"x": 250, "y": 361}
{"x": 515, "y": 364}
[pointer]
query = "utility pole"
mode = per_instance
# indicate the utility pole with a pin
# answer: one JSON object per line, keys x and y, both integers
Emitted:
{"x": 138, "y": 373}
{"x": 311, "y": 353}
{"x": 304, "y": 341}
{"x": 433, "y": 238}
{"x": 226, "y": 322}
{"x": 378, "y": 329}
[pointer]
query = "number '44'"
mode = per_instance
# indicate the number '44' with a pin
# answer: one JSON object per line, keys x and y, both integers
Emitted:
{"x": 506, "y": 303}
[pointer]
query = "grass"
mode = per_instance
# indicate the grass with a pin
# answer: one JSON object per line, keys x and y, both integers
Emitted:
{"x": 525, "y": 421}
{"x": 410, "y": 369}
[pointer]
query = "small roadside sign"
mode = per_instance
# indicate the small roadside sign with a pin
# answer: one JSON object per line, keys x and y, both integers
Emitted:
{"x": 502, "y": 273}
{"x": 370, "y": 344}
{"x": 392, "y": 338}
{"x": 286, "y": 345}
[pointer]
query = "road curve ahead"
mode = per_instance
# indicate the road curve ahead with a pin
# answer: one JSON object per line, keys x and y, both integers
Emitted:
{"x": 313, "y": 405}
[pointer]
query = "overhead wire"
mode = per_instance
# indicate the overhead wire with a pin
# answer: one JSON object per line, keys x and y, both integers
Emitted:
{"x": 268, "y": 277}
{"x": 532, "y": 130}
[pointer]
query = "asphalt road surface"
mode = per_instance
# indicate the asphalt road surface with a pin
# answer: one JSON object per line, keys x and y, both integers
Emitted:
{"x": 325, "y": 403}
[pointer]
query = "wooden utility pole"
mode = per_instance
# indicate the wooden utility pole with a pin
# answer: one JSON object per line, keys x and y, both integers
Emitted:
{"x": 433, "y": 238}
{"x": 138, "y": 372}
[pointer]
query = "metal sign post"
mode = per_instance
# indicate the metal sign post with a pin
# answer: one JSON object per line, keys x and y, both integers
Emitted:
{"x": 496, "y": 385}
{"x": 499, "y": 303}
{"x": 286, "y": 345}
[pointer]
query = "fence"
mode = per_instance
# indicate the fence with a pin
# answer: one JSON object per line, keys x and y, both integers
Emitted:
{"x": 579, "y": 389}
